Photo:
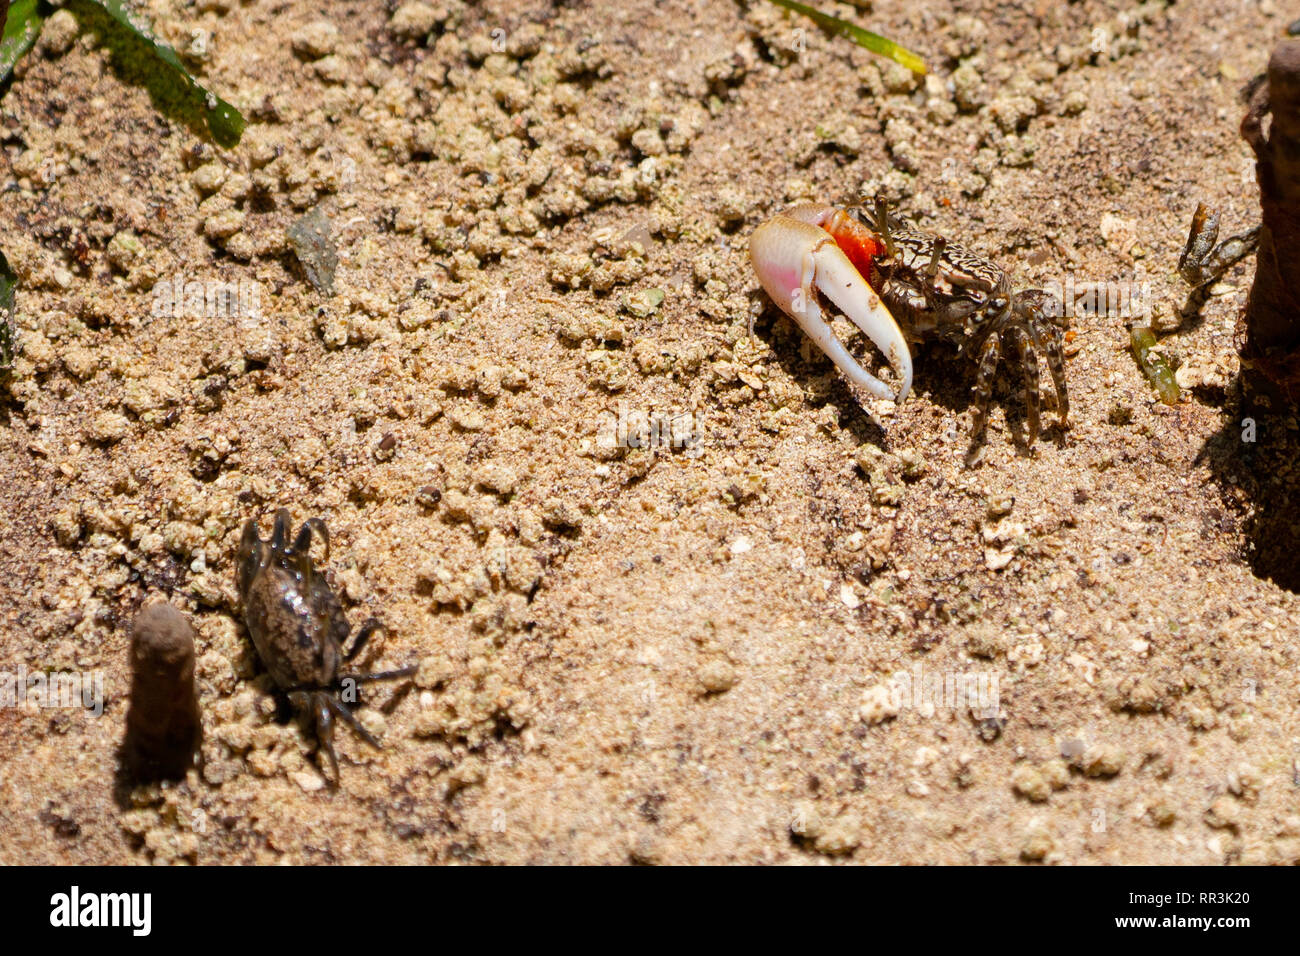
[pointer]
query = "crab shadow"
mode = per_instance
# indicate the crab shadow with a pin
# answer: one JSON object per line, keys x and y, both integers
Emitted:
{"x": 1253, "y": 459}
{"x": 947, "y": 378}
{"x": 786, "y": 339}
{"x": 939, "y": 372}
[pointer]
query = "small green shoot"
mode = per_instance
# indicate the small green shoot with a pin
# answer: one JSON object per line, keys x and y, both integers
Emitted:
{"x": 1153, "y": 365}
{"x": 863, "y": 38}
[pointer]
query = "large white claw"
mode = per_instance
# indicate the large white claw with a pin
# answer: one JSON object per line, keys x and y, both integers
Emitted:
{"x": 796, "y": 259}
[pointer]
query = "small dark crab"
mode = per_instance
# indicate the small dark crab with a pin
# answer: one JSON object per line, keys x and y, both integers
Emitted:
{"x": 900, "y": 285}
{"x": 299, "y": 628}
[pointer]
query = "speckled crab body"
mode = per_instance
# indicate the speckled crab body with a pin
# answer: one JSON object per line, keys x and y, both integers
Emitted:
{"x": 299, "y": 628}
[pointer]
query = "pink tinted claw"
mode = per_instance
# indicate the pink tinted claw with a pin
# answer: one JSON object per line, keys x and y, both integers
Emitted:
{"x": 795, "y": 260}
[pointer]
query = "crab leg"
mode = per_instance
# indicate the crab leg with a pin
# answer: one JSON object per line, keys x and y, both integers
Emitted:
{"x": 794, "y": 259}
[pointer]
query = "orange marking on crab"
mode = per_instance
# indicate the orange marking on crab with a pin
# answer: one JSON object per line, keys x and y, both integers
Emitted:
{"x": 860, "y": 244}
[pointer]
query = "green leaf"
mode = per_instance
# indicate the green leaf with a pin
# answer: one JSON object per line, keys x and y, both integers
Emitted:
{"x": 22, "y": 23}
{"x": 225, "y": 123}
{"x": 863, "y": 38}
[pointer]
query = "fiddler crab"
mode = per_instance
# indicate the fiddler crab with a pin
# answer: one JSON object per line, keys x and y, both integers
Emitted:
{"x": 899, "y": 285}
{"x": 299, "y": 629}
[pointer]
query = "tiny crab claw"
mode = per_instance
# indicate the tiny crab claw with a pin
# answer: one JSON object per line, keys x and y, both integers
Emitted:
{"x": 795, "y": 258}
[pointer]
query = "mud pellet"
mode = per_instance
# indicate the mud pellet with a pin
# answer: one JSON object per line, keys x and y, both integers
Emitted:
{"x": 163, "y": 729}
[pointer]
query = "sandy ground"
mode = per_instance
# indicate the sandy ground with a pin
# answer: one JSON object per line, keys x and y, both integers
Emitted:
{"x": 661, "y": 655}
